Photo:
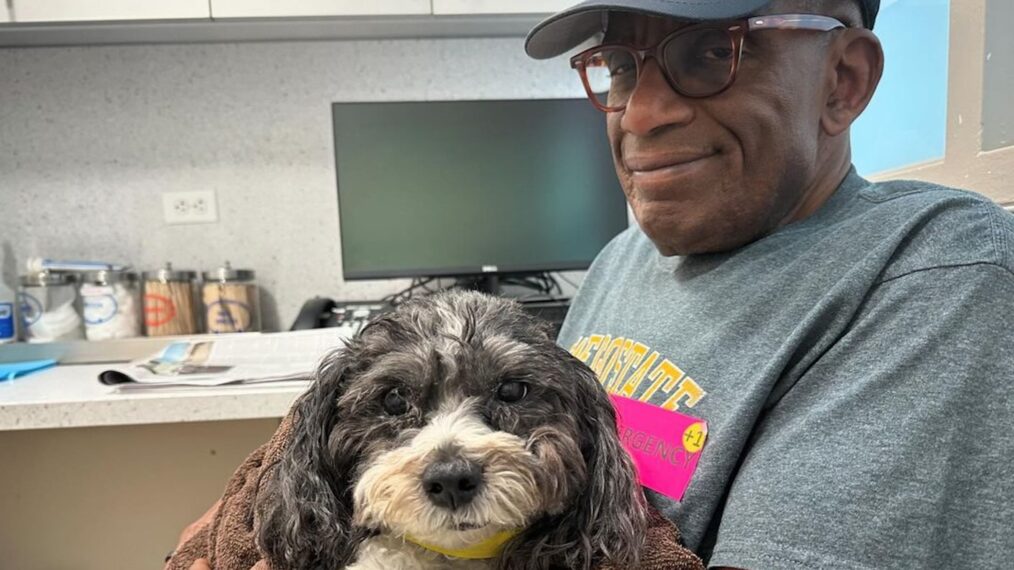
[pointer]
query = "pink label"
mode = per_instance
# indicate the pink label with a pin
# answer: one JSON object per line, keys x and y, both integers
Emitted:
{"x": 664, "y": 445}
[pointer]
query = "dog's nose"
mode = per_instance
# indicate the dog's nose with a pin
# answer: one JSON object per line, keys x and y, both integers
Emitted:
{"x": 452, "y": 484}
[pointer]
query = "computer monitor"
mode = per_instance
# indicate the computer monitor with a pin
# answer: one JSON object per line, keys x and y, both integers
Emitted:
{"x": 466, "y": 188}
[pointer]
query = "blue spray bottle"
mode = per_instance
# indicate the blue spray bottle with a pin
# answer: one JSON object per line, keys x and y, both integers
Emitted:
{"x": 8, "y": 302}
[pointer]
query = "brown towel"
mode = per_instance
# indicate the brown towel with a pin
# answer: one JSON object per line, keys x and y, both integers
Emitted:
{"x": 229, "y": 542}
{"x": 663, "y": 550}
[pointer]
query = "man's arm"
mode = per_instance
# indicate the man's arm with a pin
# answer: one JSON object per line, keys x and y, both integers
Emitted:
{"x": 892, "y": 449}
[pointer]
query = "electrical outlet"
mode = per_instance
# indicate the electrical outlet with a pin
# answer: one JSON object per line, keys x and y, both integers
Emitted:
{"x": 196, "y": 207}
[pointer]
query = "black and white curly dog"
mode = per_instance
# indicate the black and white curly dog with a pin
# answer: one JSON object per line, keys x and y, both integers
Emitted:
{"x": 454, "y": 433}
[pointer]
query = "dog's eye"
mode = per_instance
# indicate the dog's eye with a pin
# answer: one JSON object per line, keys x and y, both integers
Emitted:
{"x": 394, "y": 403}
{"x": 511, "y": 391}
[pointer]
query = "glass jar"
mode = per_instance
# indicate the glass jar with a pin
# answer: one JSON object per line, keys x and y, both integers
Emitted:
{"x": 49, "y": 307}
{"x": 111, "y": 304}
{"x": 170, "y": 302}
{"x": 231, "y": 300}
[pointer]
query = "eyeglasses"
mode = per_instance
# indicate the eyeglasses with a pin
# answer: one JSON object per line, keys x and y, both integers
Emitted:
{"x": 698, "y": 61}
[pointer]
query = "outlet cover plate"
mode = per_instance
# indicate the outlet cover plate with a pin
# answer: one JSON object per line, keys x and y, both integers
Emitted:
{"x": 192, "y": 207}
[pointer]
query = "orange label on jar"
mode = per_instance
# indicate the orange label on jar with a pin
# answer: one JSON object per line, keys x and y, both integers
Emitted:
{"x": 158, "y": 310}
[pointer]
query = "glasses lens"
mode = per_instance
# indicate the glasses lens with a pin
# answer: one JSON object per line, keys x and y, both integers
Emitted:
{"x": 700, "y": 62}
{"x": 612, "y": 76}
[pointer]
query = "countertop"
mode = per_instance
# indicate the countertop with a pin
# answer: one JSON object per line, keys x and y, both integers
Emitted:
{"x": 71, "y": 396}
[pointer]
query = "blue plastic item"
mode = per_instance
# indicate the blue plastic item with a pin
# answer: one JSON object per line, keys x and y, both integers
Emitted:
{"x": 11, "y": 370}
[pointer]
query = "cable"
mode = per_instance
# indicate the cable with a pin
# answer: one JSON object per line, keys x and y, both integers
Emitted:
{"x": 568, "y": 281}
{"x": 544, "y": 286}
{"x": 407, "y": 293}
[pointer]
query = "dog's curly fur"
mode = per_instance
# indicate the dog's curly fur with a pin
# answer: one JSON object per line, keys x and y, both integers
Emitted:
{"x": 553, "y": 463}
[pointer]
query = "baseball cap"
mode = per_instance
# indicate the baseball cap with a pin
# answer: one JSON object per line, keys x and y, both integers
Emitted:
{"x": 567, "y": 29}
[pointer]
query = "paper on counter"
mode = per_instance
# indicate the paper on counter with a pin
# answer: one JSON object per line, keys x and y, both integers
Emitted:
{"x": 220, "y": 361}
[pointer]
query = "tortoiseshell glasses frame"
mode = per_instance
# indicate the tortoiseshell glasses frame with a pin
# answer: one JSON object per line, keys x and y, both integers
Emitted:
{"x": 698, "y": 61}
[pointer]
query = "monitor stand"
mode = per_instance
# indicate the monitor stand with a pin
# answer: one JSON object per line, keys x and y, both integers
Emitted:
{"x": 482, "y": 283}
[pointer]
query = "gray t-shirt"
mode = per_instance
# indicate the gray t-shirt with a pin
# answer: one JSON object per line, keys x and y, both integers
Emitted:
{"x": 855, "y": 370}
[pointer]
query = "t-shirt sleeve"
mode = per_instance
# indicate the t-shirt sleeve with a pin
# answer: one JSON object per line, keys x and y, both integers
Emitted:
{"x": 896, "y": 448}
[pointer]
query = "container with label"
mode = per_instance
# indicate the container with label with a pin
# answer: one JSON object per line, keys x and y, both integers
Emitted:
{"x": 8, "y": 332}
{"x": 8, "y": 302}
{"x": 231, "y": 300}
{"x": 111, "y": 302}
{"x": 49, "y": 308}
{"x": 170, "y": 306}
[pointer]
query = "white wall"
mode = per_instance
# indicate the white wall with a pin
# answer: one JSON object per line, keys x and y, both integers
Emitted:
{"x": 91, "y": 136}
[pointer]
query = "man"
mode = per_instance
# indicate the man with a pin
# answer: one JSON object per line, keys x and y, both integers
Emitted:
{"x": 846, "y": 343}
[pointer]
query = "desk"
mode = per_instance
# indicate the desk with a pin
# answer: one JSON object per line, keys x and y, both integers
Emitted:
{"x": 91, "y": 479}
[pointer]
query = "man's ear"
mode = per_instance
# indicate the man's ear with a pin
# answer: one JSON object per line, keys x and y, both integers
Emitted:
{"x": 857, "y": 63}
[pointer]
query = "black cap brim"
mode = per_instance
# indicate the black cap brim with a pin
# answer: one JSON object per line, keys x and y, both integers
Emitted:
{"x": 564, "y": 31}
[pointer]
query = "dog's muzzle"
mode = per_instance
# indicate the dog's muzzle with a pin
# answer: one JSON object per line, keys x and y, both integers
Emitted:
{"x": 452, "y": 483}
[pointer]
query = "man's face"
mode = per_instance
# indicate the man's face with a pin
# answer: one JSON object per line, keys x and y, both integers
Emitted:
{"x": 712, "y": 174}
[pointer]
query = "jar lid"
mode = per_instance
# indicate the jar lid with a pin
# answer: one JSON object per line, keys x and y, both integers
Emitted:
{"x": 104, "y": 276}
{"x": 226, "y": 273}
{"x": 47, "y": 279}
{"x": 167, "y": 273}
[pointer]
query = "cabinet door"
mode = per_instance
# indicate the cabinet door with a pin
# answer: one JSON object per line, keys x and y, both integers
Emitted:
{"x": 500, "y": 6}
{"x": 91, "y": 10}
{"x": 306, "y": 8}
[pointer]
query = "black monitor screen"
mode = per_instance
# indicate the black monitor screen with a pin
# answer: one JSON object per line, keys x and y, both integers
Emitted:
{"x": 465, "y": 187}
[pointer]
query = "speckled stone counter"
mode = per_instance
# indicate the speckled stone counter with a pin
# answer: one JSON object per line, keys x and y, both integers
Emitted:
{"x": 71, "y": 396}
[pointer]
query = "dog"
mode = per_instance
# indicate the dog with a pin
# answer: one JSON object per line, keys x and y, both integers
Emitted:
{"x": 453, "y": 432}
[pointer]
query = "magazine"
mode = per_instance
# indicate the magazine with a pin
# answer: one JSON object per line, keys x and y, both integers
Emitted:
{"x": 278, "y": 359}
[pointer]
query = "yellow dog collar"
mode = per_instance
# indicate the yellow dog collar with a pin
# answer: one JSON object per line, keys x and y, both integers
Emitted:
{"x": 485, "y": 550}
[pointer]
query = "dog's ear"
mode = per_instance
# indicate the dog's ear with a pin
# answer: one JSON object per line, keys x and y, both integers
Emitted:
{"x": 306, "y": 512}
{"x": 611, "y": 517}
{"x": 607, "y": 519}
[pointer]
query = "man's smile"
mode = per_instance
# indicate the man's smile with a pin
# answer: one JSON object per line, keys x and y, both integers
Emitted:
{"x": 658, "y": 171}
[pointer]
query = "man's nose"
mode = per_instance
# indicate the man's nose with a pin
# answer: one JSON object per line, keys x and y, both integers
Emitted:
{"x": 452, "y": 483}
{"x": 654, "y": 104}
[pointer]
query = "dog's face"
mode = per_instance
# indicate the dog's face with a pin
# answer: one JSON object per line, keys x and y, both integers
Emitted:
{"x": 457, "y": 417}
{"x": 467, "y": 416}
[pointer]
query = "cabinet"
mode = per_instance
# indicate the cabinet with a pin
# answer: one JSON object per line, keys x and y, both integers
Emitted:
{"x": 108, "y": 10}
{"x": 91, "y": 22}
{"x": 448, "y": 7}
{"x": 309, "y": 8}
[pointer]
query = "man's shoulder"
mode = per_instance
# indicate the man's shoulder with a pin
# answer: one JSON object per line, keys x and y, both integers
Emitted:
{"x": 938, "y": 226}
